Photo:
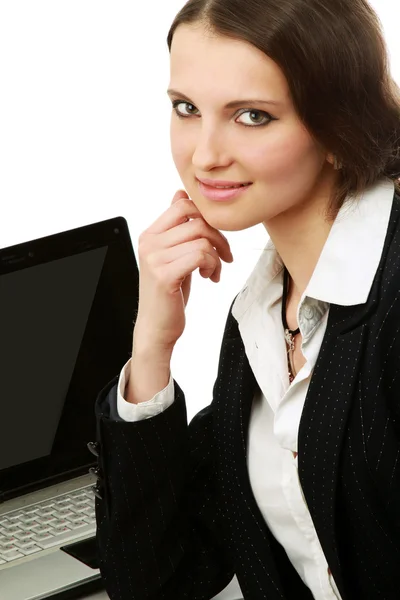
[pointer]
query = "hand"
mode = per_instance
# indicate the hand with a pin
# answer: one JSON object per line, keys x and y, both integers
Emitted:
{"x": 176, "y": 244}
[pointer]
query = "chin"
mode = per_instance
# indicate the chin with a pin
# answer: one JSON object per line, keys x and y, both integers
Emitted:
{"x": 228, "y": 222}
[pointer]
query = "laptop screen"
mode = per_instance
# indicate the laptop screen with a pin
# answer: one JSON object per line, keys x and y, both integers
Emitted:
{"x": 67, "y": 308}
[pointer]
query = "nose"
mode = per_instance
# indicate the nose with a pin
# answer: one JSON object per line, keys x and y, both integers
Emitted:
{"x": 211, "y": 151}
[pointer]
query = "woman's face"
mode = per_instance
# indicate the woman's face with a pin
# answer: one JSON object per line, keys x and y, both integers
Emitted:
{"x": 259, "y": 140}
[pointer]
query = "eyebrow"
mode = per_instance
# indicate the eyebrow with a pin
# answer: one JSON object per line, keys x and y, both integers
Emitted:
{"x": 234, "y": 104}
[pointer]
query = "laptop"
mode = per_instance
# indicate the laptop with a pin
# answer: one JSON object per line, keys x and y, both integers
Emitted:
{"x": 67, "y": 307}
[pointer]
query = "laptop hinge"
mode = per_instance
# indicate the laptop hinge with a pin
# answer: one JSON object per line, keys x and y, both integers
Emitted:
{"x": 43, "y": 483}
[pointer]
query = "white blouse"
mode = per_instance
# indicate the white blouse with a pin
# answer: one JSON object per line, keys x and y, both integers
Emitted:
{"x": 343, "y": 275}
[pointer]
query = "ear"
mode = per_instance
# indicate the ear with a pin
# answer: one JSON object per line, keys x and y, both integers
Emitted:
{"x": 333, "y": 160}
{"x": 330, "y": 158}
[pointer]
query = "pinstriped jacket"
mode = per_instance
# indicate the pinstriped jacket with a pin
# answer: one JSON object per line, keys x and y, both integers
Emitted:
{"x": 177, "y": 517}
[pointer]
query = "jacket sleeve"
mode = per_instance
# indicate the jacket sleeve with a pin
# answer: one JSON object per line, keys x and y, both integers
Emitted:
{"x": 158, "y": 529}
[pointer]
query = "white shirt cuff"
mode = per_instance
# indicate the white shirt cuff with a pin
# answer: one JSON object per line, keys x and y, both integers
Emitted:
{"x": 144, "y": 410}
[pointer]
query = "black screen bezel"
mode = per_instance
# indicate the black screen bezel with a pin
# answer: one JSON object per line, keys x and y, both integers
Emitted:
{"x": 108, "y": 334}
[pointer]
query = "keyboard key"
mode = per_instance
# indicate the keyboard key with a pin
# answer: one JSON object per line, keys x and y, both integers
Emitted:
{"x": 46, "y": 520}
{"x": 10, "y": 527}
{"x": 17, "y": 515}
{"x": 77, "y": 519}
{"x": 46, "y": 505}
{"x": 11, "y": 556}
{"x": 43, "y": 537}
{"x": 12, "y": 519}
{"x": 27, "y": 520}
{"x": 78, "y": 524}
{"x": 25, "y": 535}
{"x": 21, "y": 545}
{"x": 39, "y": 529}
{"x": 81, "y": 502}
{"x": 30, "y": 550}
{"x": 78, "y": 494}
{"x": 9, "y": 549}
{"x": 63, "y": 513}
{"x": 7, "y": 540}
{"x": 27, "y": 527}
{"x": 7, "y": 545}
{"x": 59, "y": 530}
{"x": 59, "y": 523}
{"x": 63, "y": 502}
{"x": 45, "y": 512}
{"x": 4, "y": 538}
{"x": 30, "y": 510}
{"x": 80, "y": 509}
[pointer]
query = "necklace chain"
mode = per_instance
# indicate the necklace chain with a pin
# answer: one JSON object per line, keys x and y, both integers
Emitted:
{"x": 289, "y": 333}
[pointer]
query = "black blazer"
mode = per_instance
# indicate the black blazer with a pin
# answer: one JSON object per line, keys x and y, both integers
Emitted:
{"x": 178, "y": 519}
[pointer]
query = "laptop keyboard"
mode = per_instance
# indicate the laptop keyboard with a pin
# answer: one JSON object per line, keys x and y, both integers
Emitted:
{"x": 46, "y": 524}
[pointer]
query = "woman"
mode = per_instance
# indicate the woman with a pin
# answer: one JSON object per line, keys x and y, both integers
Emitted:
{"x": 290, "y": 479}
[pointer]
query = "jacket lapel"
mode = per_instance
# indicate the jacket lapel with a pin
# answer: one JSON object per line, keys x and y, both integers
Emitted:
{"x": 322, "y": 429}
{"x": 233, "y": 396}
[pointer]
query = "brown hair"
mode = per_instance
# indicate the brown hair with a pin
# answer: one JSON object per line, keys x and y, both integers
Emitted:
{"x": 334, "y": 57}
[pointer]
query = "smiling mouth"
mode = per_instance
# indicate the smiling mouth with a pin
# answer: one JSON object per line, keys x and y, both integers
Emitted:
{"x": 223, "y": 192}
{"x": 226, "y": 187}
{"x": 229, "y": 187}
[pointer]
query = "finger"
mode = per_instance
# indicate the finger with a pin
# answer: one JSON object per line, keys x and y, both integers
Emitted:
{"x": 179, "y": 212}
{"x": 191, "y": 231}
{"x": 174, "y": 253}
{"x": 178, "y": 195}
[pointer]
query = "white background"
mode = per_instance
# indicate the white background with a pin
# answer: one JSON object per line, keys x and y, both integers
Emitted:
{"x": 84, "y": 136}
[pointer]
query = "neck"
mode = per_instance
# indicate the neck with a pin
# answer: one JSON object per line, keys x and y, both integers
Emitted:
{"x": 299, "y": 236}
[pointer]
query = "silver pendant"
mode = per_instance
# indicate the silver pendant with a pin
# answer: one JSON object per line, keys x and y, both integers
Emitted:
{"x": 289, "y": 339}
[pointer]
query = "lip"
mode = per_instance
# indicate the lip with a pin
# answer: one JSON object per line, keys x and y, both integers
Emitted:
{"x": 212, "y": 193}
{"x": 219, "y": 182}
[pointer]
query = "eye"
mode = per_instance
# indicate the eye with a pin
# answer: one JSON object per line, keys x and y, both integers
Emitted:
{"x": 190, "y": 108}
{"x": 257, "y": 118}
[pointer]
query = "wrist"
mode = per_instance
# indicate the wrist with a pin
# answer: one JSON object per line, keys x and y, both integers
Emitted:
{"x": 147, "y": 346}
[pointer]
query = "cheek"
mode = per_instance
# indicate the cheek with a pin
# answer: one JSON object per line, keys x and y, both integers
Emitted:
{"x": 180, "y": 147}
{"x": 182, "y": 158}
{"x": 286, "y": 151}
